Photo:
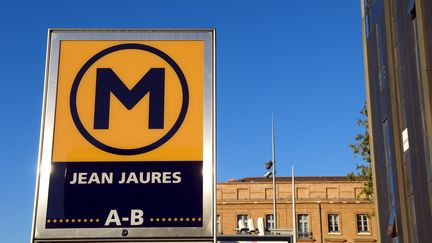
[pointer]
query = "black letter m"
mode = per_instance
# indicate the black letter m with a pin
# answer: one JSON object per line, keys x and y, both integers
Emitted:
{"x": 108, "y": 82}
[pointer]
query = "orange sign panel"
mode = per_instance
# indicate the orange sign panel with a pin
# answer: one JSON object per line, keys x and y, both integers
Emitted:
{"x": 129, "y": 101}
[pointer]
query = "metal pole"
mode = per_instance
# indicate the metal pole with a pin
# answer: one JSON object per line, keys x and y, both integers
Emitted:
{"x": 293, "y": 207}
{"x": 274, "y": 175}
{"x": 321, "y": 222}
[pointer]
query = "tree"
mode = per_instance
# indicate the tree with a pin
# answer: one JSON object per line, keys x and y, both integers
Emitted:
{"x": 361, "y": 150}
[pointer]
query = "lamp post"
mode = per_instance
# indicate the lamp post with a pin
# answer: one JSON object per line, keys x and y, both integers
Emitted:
{"x": 274, "y": 175}
{"x": 294, "y": 219}
{"x": 272, "y": 165}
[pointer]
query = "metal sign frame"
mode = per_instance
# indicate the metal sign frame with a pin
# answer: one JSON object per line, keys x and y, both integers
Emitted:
{"x": 40, "y": 233}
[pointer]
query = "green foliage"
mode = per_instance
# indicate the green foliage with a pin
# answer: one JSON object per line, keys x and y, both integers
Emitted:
{"x": 361, "y": 150}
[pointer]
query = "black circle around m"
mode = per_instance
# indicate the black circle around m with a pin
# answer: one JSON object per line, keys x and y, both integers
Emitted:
{"x": 133, "y": 151}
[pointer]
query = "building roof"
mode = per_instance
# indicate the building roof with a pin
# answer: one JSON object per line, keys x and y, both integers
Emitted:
{"x": 297, "y": 178}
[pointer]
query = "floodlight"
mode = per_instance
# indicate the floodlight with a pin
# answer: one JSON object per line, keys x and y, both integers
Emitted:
{"x": 267, "y": 174}
{"x": 268, "y": 164}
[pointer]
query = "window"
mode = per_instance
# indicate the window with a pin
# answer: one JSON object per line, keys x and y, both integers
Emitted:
{"x": 303, "y": 226}
{"x": 421, "y": 89}
{"x": 362, "y": 223}
{"x": 269, "y": 224}
{"x": 218, "y": 225}
{"x": 243, "y": 218}
{"x": 390, "y": 177}
{"x": 411, "y": 8}
{"x": 389, "y": 162}
{"x": 367, "y": 27}
{"x": 333, "y": 223}
{"x": 366, "y": 11}
{"x": 382, "y": 54}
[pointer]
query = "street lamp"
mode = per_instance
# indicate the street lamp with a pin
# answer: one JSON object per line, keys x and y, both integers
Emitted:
{"x": 268, "y": 165}
{"x": 268, "y": 174}
{"x": 271, "y": 165}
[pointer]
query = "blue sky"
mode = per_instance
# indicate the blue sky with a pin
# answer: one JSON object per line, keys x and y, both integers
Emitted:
{"x": 301, "y": 60}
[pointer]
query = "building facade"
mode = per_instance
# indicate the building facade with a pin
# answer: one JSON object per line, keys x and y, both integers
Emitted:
{"x": 328, "y": 209}
{"x": 397, "y": 39}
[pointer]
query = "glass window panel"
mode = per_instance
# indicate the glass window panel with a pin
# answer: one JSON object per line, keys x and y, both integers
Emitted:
{"x": 303, "y": 226}
{"x": 269, "y": 222}
{"x": 333, "y": 223}
{"x": 362, "y": 223}
{"x": 242, "y": 217}
{"x": 389, "y": 162}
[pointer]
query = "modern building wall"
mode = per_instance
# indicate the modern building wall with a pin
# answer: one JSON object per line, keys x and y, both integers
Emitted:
{"x": 318, "y": 201}
{"x": 398, "y": 58}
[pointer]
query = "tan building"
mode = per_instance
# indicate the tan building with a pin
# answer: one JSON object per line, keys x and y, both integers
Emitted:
{"x": 329, "y": 209}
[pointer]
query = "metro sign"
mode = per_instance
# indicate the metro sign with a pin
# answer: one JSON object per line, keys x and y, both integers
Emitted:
{"x": 128, "y": 138}
{"x": 151, "y": 83}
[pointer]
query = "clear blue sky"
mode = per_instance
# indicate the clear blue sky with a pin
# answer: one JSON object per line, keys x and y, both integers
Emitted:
{"x": 301, "y": 60}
